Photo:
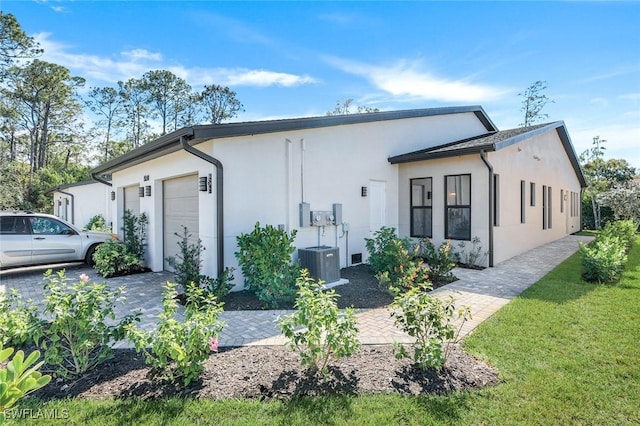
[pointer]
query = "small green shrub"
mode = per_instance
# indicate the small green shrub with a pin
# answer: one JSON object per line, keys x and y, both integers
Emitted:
{"x": 76, "y": 336}
{"x": 603, "y": 259}
{"x": 135, "y": 233}
{"x": 625, "y": 230}
{"x": 218, "y": 287}
{"x": 316, "y": 330}
{"x": 395, "y": 261}
{"x": 472, "y": 256}
{"x": 17, "y": 319}
{"x": 178, "y": 349}
{"x": 97, "y": 223}
{"x": 438, "y": 261}
{"x": 264, "y": 257}
{"x": 112, "y": 259}
{"x": 19, "y": 377}
{"x": 430, "y": 321}
{"x": 188, "y": 261}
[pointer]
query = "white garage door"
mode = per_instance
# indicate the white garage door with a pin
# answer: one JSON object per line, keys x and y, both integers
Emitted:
{"x": 180, "y": 207}
{"x": 131, "y": 200}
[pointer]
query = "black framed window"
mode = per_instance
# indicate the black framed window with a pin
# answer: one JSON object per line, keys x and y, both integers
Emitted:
{"x": 544, "y": 207}
{"x": 421, "y": 207}
{"x": 523, "y": 204}
{"x": 532, "y": 194}
{"x": 457, "y": 225}
{"x": 496, "y": 200}
{"x": 549, "y": 208}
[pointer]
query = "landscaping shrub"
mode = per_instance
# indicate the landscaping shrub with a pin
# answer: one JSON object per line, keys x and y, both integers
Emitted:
{"x": 472, "y": 256}
{"x": 395, "y": 261}
{"x": 438, "y": 261}
{"x": 112, "y": 259}
{"x": 316, "y": 330}
{"x": 264, "y": 257}
{"x": 604, "y": 258}
{"x": 177, "y": 348}
{"x": 97, "y": 223}
{"x": 217, "y": 287}
{"x": 430, "y": 321}
{"x": 19, "y": 377}
{"x": 76, "y": 337}
{"x": 17, "y": 319}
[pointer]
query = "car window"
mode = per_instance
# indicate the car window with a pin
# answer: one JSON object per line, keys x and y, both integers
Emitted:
{"x": 48, "y": 226}
{"x": 14, "y": 225}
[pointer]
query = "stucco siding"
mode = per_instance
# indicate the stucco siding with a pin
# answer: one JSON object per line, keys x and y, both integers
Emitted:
{"x": 88, "y": 200}
{"x": 540, "y": 160}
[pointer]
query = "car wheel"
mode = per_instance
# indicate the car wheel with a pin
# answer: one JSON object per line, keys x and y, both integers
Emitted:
{"x": 89, "y": 257}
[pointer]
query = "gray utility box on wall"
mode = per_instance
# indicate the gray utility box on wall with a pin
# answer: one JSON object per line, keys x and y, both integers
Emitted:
{"x": 323, "y": 262}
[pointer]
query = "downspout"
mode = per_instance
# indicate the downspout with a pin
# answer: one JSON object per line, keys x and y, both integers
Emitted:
{"x": 73, "y": 204}
{"x": 483, "y": 156}
{"x": 219, "y": 195}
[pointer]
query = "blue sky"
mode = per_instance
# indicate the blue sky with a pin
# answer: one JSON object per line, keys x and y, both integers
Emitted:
{"x": 293, "y": 59}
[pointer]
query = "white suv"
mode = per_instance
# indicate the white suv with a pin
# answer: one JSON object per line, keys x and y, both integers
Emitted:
{"x": 33, "y": 238}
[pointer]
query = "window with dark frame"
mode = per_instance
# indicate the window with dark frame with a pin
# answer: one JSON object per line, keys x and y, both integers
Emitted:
{"x": 496, "y": 200}
{"x": 421, "y": 207}
{"x": 549, "y": 208}
{"x": 457, "y": 224}
{"x": 562, "y": 201}
{"x": 532, "y": 190}
{"x": 523, "y": 202}
{"x": 544, "y": 206}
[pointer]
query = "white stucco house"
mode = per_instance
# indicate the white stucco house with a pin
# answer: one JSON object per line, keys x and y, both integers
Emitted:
{"x": 78, "y": 202}
{"x": 445, "y": 173}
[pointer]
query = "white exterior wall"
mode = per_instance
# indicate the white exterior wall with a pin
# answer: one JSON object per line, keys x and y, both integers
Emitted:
{"x": 267, "y": 175}
{"x": 90, "y": 200}
{"x": 542, "y": 160}
{"x": 437, "y": 170}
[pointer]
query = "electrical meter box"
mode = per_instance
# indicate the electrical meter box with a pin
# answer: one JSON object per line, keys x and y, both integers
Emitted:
{"x": 323, "y": 262}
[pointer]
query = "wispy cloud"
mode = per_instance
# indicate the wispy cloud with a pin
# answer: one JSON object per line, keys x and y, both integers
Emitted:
{"x": 411, "y": 79}
{"x": 134, "y": 63}
{"x": 605, "y": 75}
{"x": 633, "y": 97}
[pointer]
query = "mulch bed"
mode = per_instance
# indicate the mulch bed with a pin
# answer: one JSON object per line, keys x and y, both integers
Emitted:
{"x": 274, "y": 372}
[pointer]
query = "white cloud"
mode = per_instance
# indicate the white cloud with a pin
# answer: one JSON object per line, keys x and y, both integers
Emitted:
{"x": 622, "y": 139}
{"x": 135, "y": 62}
{"x": 408, "y": 78}
{"x": 634, "y": 97}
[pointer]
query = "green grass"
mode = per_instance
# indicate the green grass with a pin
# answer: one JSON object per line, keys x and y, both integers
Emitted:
{"x": 568, "y": 353}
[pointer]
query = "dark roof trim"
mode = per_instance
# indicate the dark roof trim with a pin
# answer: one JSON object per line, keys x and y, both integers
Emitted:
{"x": 71, "y": 185}
{"x": 170, "y": 142}
{"x": 493, "y": 143}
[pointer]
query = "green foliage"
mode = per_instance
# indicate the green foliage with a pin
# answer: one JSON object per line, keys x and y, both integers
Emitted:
{"x": 112, "y": 259}
{"x": 135, "y": 233}
{"x": 97, "y": 223}
{"x": 187, "y": 263}
{"x": 217, "y": 287}
{"x": 316, "y": 330}
{"x": 623, "y": 200}
{"x": 264, "y": 256}
{"x": 16, "y": 319}
{"x": 430, "y": 321}
{"x": 395, "y": 261}
{"x": 604, "y": 258}
{"x": 179, "y": 348}
{"x": 18, "y": 377}
{"x": 76, "y": 336}
{"x": 438, "y": 261}
{"x": 472, "y": 256}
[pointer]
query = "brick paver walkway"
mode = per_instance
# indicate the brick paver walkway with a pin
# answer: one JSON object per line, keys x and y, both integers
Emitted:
{"x": 484, "y": 291}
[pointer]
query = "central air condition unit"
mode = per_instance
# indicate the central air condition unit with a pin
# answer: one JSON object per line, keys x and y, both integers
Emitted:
{"x": 323, "y": 262}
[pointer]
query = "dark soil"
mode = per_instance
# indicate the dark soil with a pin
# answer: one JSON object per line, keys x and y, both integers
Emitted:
{"x": 274, "y": 372}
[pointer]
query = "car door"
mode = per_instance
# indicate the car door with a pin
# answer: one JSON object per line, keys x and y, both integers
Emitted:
{"x": 15, "y": 241}
{"x": 53, "y": 241}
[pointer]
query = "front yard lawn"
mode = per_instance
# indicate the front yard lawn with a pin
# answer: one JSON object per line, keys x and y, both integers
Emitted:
{"x": 567, "y": 351}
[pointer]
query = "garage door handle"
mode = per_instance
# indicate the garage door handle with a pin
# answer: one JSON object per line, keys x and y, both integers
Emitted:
{"x": 39, "y": 238}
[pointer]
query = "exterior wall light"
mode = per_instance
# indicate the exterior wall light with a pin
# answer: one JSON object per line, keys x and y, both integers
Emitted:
{"x": 141, "y": 191}
{"x": 147, "y": 190}
{"x": 363, "y": 191}
{"x": 113, "y": 195}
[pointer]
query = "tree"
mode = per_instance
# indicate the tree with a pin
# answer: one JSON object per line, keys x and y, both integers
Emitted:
{"x": 168, "y": 96}
{"x": 44, "y": 96}
{"x": 220, "y": 103}
{"x": 533, "y": 100}
{"x": 344, "y": 108}
{"x": 602, "y": 176}
{"x": 108, "y": 105}
{"x": 14, "y": 43}
{"x": 135, "y": 100}
{"x": 624, "y": 200}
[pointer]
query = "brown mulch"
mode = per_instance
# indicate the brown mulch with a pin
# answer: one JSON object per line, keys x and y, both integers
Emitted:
{"x": 274, "y": 372}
